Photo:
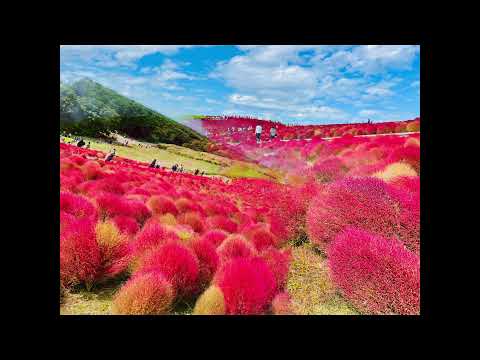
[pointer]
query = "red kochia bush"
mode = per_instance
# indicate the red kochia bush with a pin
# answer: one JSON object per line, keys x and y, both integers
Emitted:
{"x": 216, "y": 237}
{"x": 177, "y": 263}
{"x": 223, "y": 223}
{"x": 80, "y": 256}
{"x": 377, "y": 274}
{"x": 160, "y": 204}
{"x": 78, "y": 206}
{"x": 151, "y": 236}
{"x": 193, "y": 219}
{"x": 235, "y": 246}
{"x": 409, "y": 219}
{"x": 279, "y": 262}
{"x": 126, "y": 224}
{"x": 111, "y": 205}
{"x": 248, "y": 286}
{"x": 208, "y": 260}
{"x": 330, "y": 169}
{"x": 361, "y": 202}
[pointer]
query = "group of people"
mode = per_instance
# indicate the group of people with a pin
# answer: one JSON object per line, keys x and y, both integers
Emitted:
{"x": 177, "y": 168}
{"x": 81, "y": 143}
{"x": 258, "y": 132}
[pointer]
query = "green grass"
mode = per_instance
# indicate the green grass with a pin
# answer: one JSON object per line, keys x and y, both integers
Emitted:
{"x": 168, "y": 156}
{"x": 310, "y": 286}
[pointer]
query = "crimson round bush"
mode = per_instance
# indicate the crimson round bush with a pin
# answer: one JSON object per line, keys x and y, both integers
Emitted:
{"x": 248, "y": 286}
{"x": 78, "y": 206}
{"x": 235, "y": 246}
{"x": 216, "y": 237}
{"x": 177, "y": 263}
{"x": 80, "y": 256}
{"x": 361, "y": 202}
{"x": 151, "y": 236}
{"x": 378, "y": 275}
{"x": 208, "y": 260}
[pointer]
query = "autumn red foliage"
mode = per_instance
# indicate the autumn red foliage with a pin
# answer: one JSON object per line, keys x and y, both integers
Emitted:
{"x": 377, "y": 274}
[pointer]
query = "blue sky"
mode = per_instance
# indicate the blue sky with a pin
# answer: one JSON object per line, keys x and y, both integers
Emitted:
{"x": 300, "y": 84}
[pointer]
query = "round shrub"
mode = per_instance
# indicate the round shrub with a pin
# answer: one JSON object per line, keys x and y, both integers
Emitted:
{"x": 282, "y": 304}
{"x": 211, "y": 302}
{"x": 378, "y": 275}
{"x": 160, "y": 205}
{"x": 91, "y": 170}
{"x": 263, "y": 239}
{"x": 184, "y": 205}
{"x": 216, "y": 237}
{"x": 80, "y": 256}
{"x": 413, "y": 126}
{"x": 410, "y": 155}
{"x": 192, "y": 219}
{"x": 394, "y": 171}
{"x": 177, "y": 263}
{"x": 330, "y": 169}
{"x": 360, "y": 202}
{"x": 248, "y": 286}
{"x": 114, "y": 249}
{"x": 279, "y": 263}
{"x": 145, "y": 294}
{"x": 78, "y": 206}
{"x": 235, "y": 246}
{"x": 151, "y": 236}
{"x": 221, "y": 222}
{"x": 126, "y": 224}
{"x": 208, "y": 260}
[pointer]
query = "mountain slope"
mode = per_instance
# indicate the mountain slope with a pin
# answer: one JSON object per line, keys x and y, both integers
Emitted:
{"x": 88, "y": 108}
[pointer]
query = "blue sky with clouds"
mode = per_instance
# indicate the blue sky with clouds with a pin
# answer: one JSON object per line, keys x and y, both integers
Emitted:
{"x": 301, "y": 84}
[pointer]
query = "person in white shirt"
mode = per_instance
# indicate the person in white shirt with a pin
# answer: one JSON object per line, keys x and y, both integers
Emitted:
{"x": 258, "y": 132}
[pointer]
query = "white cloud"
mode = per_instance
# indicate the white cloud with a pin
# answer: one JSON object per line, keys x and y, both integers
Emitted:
{"x": 118, "y": 55}
{"x": 376, "y": 58}
{"x": 366, "y": 113}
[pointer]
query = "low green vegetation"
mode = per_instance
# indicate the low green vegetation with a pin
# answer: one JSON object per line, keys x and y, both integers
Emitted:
{"x": 89, "y": 109}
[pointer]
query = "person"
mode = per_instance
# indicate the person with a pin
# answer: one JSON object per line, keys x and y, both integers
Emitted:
{"x": 181, "y": 168}
{"x": 203, "y": 173}
{"x": 174, "y": 167}
{"x": 196, "y": 171}
{"x": 110, "y": 156}
{"x": 152, "y": 164}
{"x": 258, "y": 132}
{"x": 81, "y": 143}
{"x": 273, "y": 133}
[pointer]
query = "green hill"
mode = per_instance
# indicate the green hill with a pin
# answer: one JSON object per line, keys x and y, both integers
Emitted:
{"x": 90, "y": 109}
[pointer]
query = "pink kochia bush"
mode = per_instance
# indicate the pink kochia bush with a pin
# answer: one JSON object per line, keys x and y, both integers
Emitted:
{"x": 151, "y": 236}
{"x": 248, "y": 286}
{"x": 208, "y": 261}
{"x": 235, "y": 246}
{"x": 216, "y": 237}
{"x": 279, "y": 262}
{"x": 377, "y": 274}
{"x": 78, "y": 206}
{"x": 126, "y": 224}
{"x": 361, "y": 202}
{"x": 222, "y": 222}
{"x": 177, "y": 263}
{"x": 80, "y": 256}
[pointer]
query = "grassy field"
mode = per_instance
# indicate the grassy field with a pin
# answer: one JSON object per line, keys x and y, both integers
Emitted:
{"x": 168, "y": 154}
